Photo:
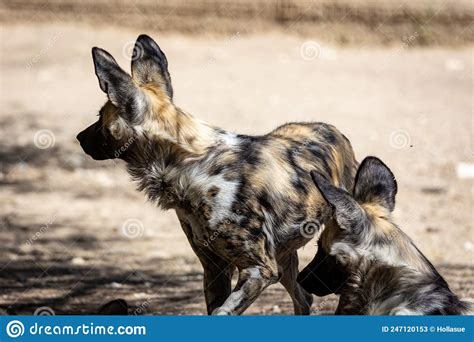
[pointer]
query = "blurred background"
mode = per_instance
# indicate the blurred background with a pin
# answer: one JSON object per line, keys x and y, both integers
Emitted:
{"x": 396, "y": 77}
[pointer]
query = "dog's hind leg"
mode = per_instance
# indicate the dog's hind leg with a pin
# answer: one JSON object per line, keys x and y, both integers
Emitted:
{"x": 302, "y": 300}
{"x": 252, "y": 281}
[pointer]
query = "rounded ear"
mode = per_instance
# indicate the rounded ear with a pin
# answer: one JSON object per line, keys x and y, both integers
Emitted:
{"x": 149, "y": 64}
{"x": 375, "y": 183}
{"x": 349, "y": 215}
{"x": 117, "y": 84}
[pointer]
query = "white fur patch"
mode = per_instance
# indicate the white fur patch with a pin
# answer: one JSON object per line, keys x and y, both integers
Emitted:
{"x": 230, "y": 139}
{"x": 268, "y": 227}
{"x": 405, "y": 312}
{"x": 196, "y": 183}
{"x": 255, "y": 273}
{"x": 222, "y": 206}
{"x": 231, "y": 303}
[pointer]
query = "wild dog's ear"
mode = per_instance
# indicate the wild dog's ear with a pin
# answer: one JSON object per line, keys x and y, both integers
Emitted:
{"x": 348, "y": 214}
{"x": 149, "y": 64}
{"x": 117, "y": 84}
{"x": 375, "y": 183}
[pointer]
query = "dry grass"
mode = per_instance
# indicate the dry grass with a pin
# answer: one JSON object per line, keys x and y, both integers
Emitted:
{"x": 343, "y": 22}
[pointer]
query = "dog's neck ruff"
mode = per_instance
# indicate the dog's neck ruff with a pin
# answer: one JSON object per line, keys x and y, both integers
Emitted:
{"x": 173, "y": 171}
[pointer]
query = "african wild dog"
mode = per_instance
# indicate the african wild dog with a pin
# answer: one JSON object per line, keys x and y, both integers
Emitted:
{"x": 241, "y": 200}
{"x": 375, "y": 267}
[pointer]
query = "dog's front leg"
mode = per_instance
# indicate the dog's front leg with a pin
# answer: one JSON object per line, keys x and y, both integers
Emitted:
{"x": 217, "y": 282}
{"x": 217, "y": 272}
{"x": 252, "y": 281}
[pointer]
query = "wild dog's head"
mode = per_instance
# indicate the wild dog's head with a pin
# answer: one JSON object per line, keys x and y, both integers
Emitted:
{"x": 363, "y": 220}
{"x": 134, "y": 101}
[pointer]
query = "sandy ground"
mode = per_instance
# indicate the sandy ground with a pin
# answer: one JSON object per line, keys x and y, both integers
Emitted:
{"x": 67, "y": 223}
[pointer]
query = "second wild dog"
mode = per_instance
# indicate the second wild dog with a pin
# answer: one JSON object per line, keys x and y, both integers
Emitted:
{"x": 368, "y": 260}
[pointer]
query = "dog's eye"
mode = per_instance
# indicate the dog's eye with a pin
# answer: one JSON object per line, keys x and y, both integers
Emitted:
{"x": 113, "y": 132}
{"x": 342, "y": 260}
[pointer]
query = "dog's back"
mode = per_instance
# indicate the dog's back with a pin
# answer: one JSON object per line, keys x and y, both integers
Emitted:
{"x": 376, "y": 288}
{"x": 321, "y": 142}
{"x": 272, "y": 173}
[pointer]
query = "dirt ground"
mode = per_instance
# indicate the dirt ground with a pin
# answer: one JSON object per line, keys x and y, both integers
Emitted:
{"x": 76, "y": 234}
